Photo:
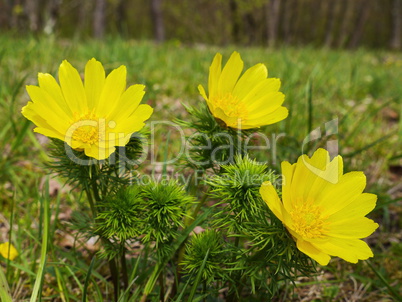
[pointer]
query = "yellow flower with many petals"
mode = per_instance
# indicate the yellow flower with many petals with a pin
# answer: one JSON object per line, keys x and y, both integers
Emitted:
{"x": 251, "y": 101}
{"x": 94, "y": 116}
{"x": 8, "y": 251}
{"x": 324, "y": 209}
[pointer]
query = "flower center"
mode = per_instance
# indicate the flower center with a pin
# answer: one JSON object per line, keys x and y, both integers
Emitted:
{"x": 87, "y": 128}
{"x": 308, "y": 221}
{"x": 231, "y": 106}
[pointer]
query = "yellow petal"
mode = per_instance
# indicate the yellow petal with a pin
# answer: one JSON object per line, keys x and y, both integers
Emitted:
{"x": 230, "y": 74}
{"x": 99, "y": 153}
{"x": 275, "y": 116}
{"x": 135, "y": 122}
{"x": 265, "y": 105}
{"x": 214, "y": 74}
{"x": 303, "y": 180}
{"x": 271, "y": 198}
{"x": 41, "y": 123}
{"x": 249, "y": 80}
{"x": 48, "y": 83}
{"x": 8, "y": 251}
{"x": 359, "y": 227}
{"x": 262, "y": 88}
{"x": 350, "y": 250}
{"x": 320, "y": 159}
{"x": 49, "y": 132}
{"x": 202, "y": 92}
{"x": 359, "y": 207}
{"x": 72, "y": 87}
{"x": 327, "y": 173}
{"x": 115, "y": 85}
{"x": 43, "y": 105}
{"x": 94, "y": 82}
{"x": 288, "y": 171}
{"x": 128, "y": 102}
{"x": 313, "y": 252}
{"x": 143, "y": 112}
{"x": 313, "y": 174}
{"x": 334, "y": 198}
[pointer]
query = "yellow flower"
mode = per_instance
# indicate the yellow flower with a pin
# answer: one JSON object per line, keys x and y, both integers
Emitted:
{"x": 324, "y": 209}
{"x": 251, "y": 101}
{"x": 94, "y": 116}
{"x": 7, "y": 247}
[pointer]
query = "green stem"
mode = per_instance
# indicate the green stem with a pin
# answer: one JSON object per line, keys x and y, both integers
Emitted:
{"x": 197, "y": 209}
{"x": 234, "y": 288}
{"x": 162, "y": 284}
{"x": 124, "y": 268}
{"x": 188, "y": 222}
{"x": 91, "y": 202}
{"x": 92, "y": 199}
{"x": 115, "y": 278}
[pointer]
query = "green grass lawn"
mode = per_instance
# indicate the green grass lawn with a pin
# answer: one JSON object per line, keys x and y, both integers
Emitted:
{"x": 360, "y": 92}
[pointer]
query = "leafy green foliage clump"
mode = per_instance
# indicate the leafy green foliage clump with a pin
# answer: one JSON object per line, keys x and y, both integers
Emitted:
{"x": 151, "y": 213}
{"x": 165, "y": 206}
{"x": 120, "y": 216}
{"x": 208, "y": 242}
{"x": 237, "y": 189}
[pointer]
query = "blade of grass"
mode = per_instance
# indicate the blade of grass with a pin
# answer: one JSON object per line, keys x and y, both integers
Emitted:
{"x": 368, "y": 146}
{"x": 5, "y": 294}
{"x": 309, "y": 95}
{"x": 180, "y": 297}
{"x": 198, "y": 278}
{"x": 20, "y": 136}
{"x": 87, "y": 278}
{"x": 165, "y": 155}
{"x": 10, "y": 233}
{"x": 400, "y": 119}
{"x": 61, "y": 284}
{"x": 45, "y": 236}
{"x": 392, "y": 290}
{"x": 125, "y": 293}
{"x": 132, "y": 281}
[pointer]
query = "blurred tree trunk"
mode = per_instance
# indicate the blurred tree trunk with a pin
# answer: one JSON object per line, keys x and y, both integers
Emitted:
{"x": 121, "y": 17}
{"x": 32, "y": 10}
{"x": 5, "y": 13}
{"x": 235, "y": 21}
{"x": 331, "y": 16}
{"x": 272, "y": 9}
{"x": 287, "y": 20}
{"x": 316, "y": 9}
{"x": 17, "y": 14}
{"x": 363, "y": 11}
{"x": 83, "y": 22}
{"x": 250, "y": 27}
{"x": 294, "y": 21}
{"x": 52, "y": 16}
{"x": 157, "y": 19}
{"x": 396, "y": 24}
{"x": 286, "y": 14}
{"x": 99, "y": 19}
{"x": 345, "y": 12}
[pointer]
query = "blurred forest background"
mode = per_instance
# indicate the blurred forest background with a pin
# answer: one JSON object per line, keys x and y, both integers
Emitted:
{"x": 331, "y": 23}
